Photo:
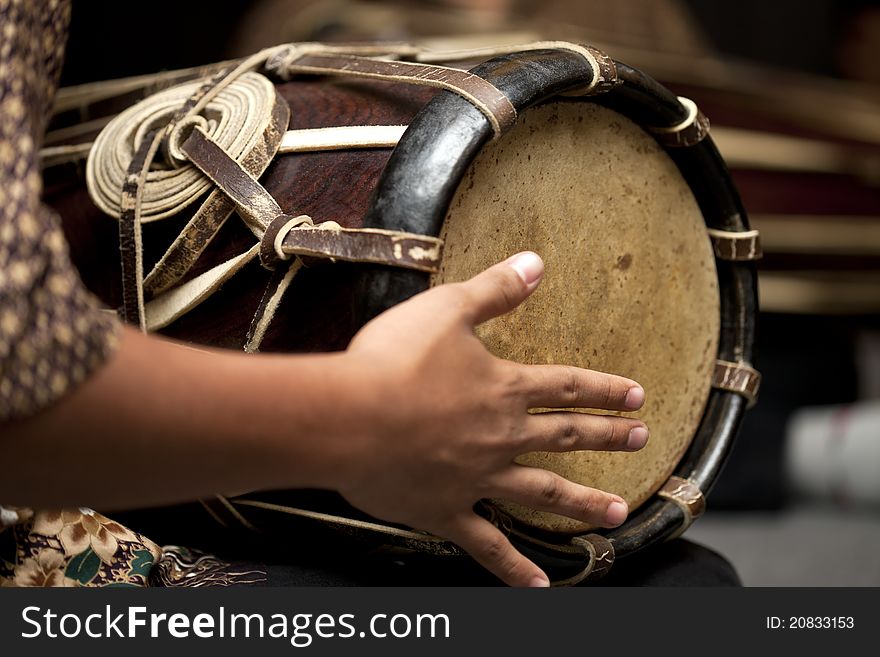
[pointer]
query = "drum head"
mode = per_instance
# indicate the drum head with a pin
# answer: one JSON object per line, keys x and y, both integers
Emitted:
{"x": 630, "y": 284}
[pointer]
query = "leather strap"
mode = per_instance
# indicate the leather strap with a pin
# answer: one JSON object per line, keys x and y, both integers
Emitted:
{"x": 384, "y": 247}
{"x": 131, "y": 202}
{"x": 604, "y": 69}
{"x": 596, "y": 551}
{"x": 687, "y": 496}
{"x": 341, "y": 137}
{"x": 299, "y": 236}
{"x": 225, "y": 513}
{"x": 601, "y": 553}
{"x": 255, "y": 205}
{"x": 736, "y": 246}
{"x": 740, "y": 378}
{"x": 213, "y": 213}
{"x": 273, "y": 294}
{"x": 130, "y": 245}
{"x": 179, "y": 300}
{"x": 687, "y": 133}
{"x": 496, "y": 107}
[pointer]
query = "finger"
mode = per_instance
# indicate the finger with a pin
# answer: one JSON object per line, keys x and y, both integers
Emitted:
{"x": 563, "y": 431}
{"x": 492, "y": 550}
{"x": 502, "y": 287}
{"x": 543, "y": 490}
{"x": 563, "y": 386}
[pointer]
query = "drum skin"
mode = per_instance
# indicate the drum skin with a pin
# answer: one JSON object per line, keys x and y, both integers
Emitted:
{"x": 630, "y": 284}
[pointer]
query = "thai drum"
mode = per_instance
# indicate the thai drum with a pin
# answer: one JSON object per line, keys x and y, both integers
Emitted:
{"x": 279, "y": 202}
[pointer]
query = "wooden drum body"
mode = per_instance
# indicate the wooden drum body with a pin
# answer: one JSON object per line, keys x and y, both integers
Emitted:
{"x": 648, "y": 257}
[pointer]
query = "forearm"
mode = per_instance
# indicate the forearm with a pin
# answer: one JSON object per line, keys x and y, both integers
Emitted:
{"x": 160, "y": 423}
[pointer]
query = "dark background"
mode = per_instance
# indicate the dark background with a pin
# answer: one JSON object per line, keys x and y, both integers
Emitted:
{"x": 111, "y": 39}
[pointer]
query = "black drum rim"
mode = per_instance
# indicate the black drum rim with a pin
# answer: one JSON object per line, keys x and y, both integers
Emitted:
{"x": 423, "y": 174}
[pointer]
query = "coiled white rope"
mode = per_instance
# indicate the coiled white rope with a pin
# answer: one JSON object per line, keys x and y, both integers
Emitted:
{"x": 235, "y": 118}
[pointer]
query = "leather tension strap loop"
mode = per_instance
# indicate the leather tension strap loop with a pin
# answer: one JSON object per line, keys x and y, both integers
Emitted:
{"x": 739, "y": 378}
{"x": 216, "y": 209}
{"x": 687, "y": 496}
{"x": 270, "y": 245}
{"x": 130, "y": 236}
{"x": 261, "y": 143}
{"x": 691, "y": 131}
{"x": 255, "y": 205}
{"x": 736, "y": 246}
{"x": 373, "y": 245}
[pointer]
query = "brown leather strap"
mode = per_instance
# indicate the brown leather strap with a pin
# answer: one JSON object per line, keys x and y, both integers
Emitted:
{"x": 270, "y": 244}
{"x": 596, "y": 551}
{"x": 687, "y": 496}
{"x": 687, "y": 133}
{"x": 213, "y": 213}
{"x": 283, "y": 235}
{"x": 736, "y": 246}
{"x": 130, "y": 252}
{"x": 604, "y": 69}
{"x": 606, "y": 74}
{"x": 484, "y": 95}
{"x": 131, "y": 255}
{"x": 601, "y": 551}
{"x": 253, "y": 202}
{"x": 740, "y": 378}
{"x": 373, "y": 245}
{"x": 276, "y": 288}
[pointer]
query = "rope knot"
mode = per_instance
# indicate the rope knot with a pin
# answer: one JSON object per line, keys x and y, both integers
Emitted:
{"x": 271, "y": 253}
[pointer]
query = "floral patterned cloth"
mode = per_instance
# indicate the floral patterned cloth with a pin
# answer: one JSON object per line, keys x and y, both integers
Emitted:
{"x": 71, "y": 548}
{"x": 80, "y": 547}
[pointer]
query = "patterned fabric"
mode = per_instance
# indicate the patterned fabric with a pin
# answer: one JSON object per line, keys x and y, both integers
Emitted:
{"x": 52, "y": 334}
{"x": 72, "y": 548}
{"x": 82, "y": 548}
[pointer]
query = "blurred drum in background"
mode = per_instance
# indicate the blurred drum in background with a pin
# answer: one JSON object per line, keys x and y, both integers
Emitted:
{"x": 832, "y": 454}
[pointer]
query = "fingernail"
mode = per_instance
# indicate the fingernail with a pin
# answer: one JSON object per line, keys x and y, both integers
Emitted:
{"x": 528, "y": 265}
{"x": 634, "y": 398}
{"x": 638, "y": 438}
{"x": 616, "y": 513}
{"x": 539, "y": 582}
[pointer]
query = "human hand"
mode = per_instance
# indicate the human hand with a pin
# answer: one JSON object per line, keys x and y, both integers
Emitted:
{"x": 444, "y": 420}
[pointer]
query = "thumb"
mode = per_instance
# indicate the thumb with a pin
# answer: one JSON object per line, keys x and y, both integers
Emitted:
{"x": 504, "y": 286}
